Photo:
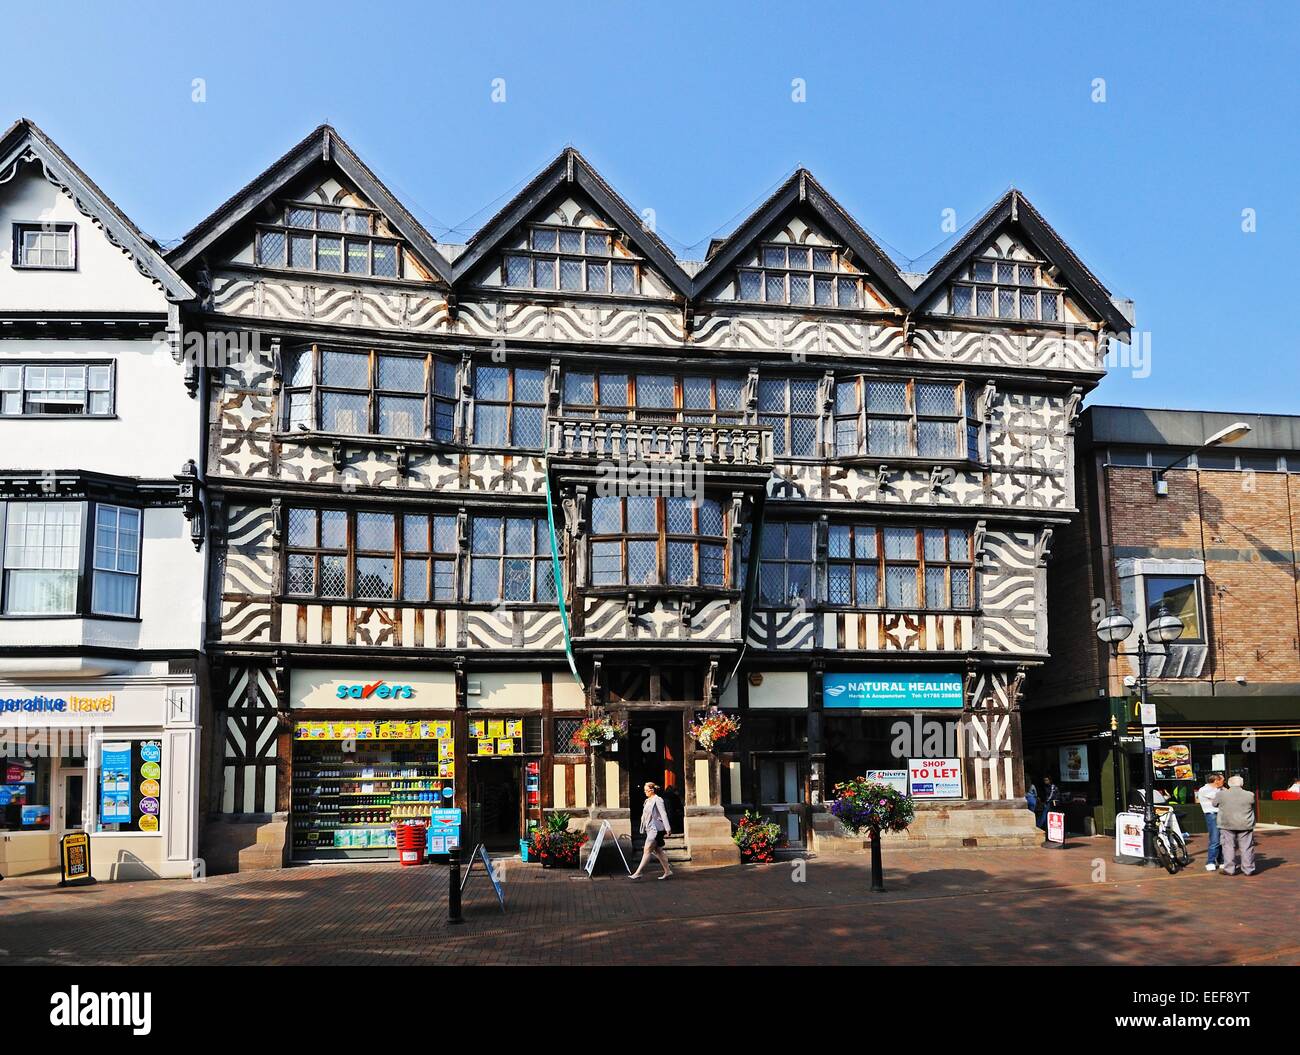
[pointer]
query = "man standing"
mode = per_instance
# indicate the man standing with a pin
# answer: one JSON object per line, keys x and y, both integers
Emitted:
{"x": 1205, "y": 795}
{"x": 1236, "y": 826}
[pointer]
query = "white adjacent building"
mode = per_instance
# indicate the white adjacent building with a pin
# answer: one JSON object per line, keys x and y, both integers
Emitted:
{"x": 101, "y": 530}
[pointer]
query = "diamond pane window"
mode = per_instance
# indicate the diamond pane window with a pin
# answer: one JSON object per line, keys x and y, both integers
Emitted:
{"x": 1005, "y": 289}
{"x": 582, "y": 259}
{"x": 629, "y": 534}
{"x": 400, "y": 373}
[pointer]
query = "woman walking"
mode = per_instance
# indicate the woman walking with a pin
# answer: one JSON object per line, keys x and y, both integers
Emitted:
{"x": 654, "y": 822}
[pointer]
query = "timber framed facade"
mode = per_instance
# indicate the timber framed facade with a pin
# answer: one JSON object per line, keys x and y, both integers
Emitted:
{"x": 788, "y": 461}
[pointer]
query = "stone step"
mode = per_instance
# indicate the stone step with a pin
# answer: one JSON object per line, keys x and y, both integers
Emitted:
{"x": 675, "y": 846}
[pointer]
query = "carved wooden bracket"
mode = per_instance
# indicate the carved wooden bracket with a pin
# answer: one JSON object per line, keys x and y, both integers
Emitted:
{"x": 1043, "y": 547}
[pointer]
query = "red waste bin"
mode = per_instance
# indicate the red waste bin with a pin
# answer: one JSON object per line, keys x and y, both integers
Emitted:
{"x": 411, "y": 841}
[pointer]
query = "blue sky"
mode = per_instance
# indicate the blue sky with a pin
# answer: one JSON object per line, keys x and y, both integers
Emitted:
{"x": 911, "y": 109}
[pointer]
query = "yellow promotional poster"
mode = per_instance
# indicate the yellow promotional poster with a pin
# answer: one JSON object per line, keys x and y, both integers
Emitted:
{"x": 446, "y": 749}
{"x": 442, "y": 730}
{"x": 446, "y": 769}
{"x": 485, "y": 747}
{"x": 477, "y": 728}
{"x": 75, "y": 859}
{"x": 496, "y": 729}
{"x": 514, "y": 727}
{"x": 505, "y": 746}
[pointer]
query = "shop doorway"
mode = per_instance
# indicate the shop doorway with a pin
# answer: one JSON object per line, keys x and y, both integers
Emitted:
{"x": 495, "y": 814}
{"x": 781, "y": 795}
{"x": 654, "y": 746}
{"x": 72, "y": 805}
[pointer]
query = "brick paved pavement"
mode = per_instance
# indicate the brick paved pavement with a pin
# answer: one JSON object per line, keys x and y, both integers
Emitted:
{"x": 950, "y": 906}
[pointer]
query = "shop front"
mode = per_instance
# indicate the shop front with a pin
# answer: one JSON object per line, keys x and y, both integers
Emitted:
{"x": 371, "y": 750}
{"x": 116, "y": 757}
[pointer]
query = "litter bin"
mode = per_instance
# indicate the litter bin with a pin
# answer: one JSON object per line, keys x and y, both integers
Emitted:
{"x": 411, "y": 842}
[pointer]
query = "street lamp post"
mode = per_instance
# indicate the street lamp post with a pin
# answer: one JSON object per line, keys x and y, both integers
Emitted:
{"x": 1113, "y": 629}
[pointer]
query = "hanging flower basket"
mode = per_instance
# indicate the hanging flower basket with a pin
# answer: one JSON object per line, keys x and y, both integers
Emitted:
{"x": 599, "y": 733}
{"x": 714, "y": 728}
{"x": 757, "y": 838}
{"x": 864, "y": 806}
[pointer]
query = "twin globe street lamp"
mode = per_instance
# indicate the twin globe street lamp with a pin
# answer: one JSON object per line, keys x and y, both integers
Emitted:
{"x": 1163, "y": 629}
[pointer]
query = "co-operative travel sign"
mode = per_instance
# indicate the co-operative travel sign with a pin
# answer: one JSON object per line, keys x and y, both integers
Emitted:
{"x": 892, "y": 690}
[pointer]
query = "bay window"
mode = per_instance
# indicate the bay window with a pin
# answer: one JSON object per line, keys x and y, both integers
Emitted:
{"x": 785, "y": 574}
{"x": 904, "y": 418}
{"x": 370, "y": 393}
{"x": 509, "y": 406}
{"x": 620, "y": 396}
{"x": 510, "y": 560}
{"x": 789, "y": 407}
{"x": 889, "y": 566}
{"x": 657, "y": 541}
{"x": 53, "y": 565}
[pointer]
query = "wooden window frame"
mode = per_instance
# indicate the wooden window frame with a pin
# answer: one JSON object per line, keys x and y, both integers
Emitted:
{"x": 609, "y": 259}
{"x": 996, "y": 286}
{"x": 511, "y": 405}
{"x": 784, "y": 419}
{"x": 785, "y": 561}
{"x": 661, "y": 537}
{"x": 539, "y": 556}
{"x": 962, "y": 419}
{"x": 678, "y": 413}
{"x": 786, "y": 270}
{"x": 882, "y": 562}
{"x": 288, "y": 230}
{"x": 22, "y": 227}
{"x": 433, "y": 399}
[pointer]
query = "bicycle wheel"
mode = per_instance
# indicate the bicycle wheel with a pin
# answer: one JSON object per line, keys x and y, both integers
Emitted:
{"x": 1164, "y": 855}
{"x": 1180, "y": 849}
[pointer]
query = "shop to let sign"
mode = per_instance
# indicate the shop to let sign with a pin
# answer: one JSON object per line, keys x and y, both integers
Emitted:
{"x": 892, "y": 690}
{"x": 934, "y": 778}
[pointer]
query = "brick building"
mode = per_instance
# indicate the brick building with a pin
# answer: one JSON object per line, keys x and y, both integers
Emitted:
{"x": 1214, "y": 538}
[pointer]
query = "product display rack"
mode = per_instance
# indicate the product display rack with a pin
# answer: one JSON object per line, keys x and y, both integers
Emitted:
{"x": 346, "y": 804}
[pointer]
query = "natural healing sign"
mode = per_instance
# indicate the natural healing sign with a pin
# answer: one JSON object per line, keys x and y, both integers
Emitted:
{"x": 892, "y": 690}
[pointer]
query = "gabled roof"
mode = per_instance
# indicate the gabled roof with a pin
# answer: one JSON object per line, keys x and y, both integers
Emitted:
{"x": 322, "y": 145}
{"x": 802, "y": 187}
{"x": 24, "y": 142}
{"x": 1014, "y": 207}
{"x": 570, "y": 167}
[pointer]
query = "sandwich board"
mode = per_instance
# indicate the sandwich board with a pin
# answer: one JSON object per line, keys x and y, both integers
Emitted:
{"x": 600, "y": 841}
{"x": 480, "y": 854}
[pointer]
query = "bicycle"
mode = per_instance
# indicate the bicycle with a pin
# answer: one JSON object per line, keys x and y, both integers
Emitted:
{"x": 1170, "y": 846}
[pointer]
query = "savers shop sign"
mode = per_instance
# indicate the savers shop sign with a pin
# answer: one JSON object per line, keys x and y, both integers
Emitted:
{"x": 892, "y": 690}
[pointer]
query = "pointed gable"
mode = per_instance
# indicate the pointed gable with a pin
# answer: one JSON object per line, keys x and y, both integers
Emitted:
{"x": 599, "y": 244}
{"x": 26, "y": 152}
{"x": 318, "y": 209}
{"x": 1012, "y": 266}
{"x": 802, "y": 227}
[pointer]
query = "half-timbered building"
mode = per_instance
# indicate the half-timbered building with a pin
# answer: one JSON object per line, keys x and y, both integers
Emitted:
{"x": 791, "y": 481}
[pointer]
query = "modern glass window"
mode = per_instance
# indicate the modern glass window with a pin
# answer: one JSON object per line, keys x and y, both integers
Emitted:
{"x": 657, "y": 541}
{"x": 789, "y": 406}
{"x": 800, "y": 275}
{"x": 51, "y": 569}
{"x": 617, "y": 396}
{"x": 509, "y": 406}
{"x": 370, "y": 393}
{"x": 785, "y": 575}
{"x": 1180, "y": 594}
{"x": 903, "y": 418}
{"x": 510, "y": 560}
{"x": 1005, "y": 289}
{"x": 56, "y": 389}
{"x": 572, "y": 259}
{"x": 329, "y": 239}
{"x": 45, "y": 246}
{"x": 889, "y": 566}
{"x": 115, "y": 584}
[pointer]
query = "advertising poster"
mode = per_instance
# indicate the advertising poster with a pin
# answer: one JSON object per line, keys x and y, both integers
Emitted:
{"x": 934, "y": 778}
{"x": 894, "y": 778}
{"x": 150, "y": 780}
{"x": 1056, "y": 827}
{"x": 1128, "y": 835}
{"x": 115, "y": 783}
{"x": 1074, "y": 763}
{"x": 1172, "y": 762}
